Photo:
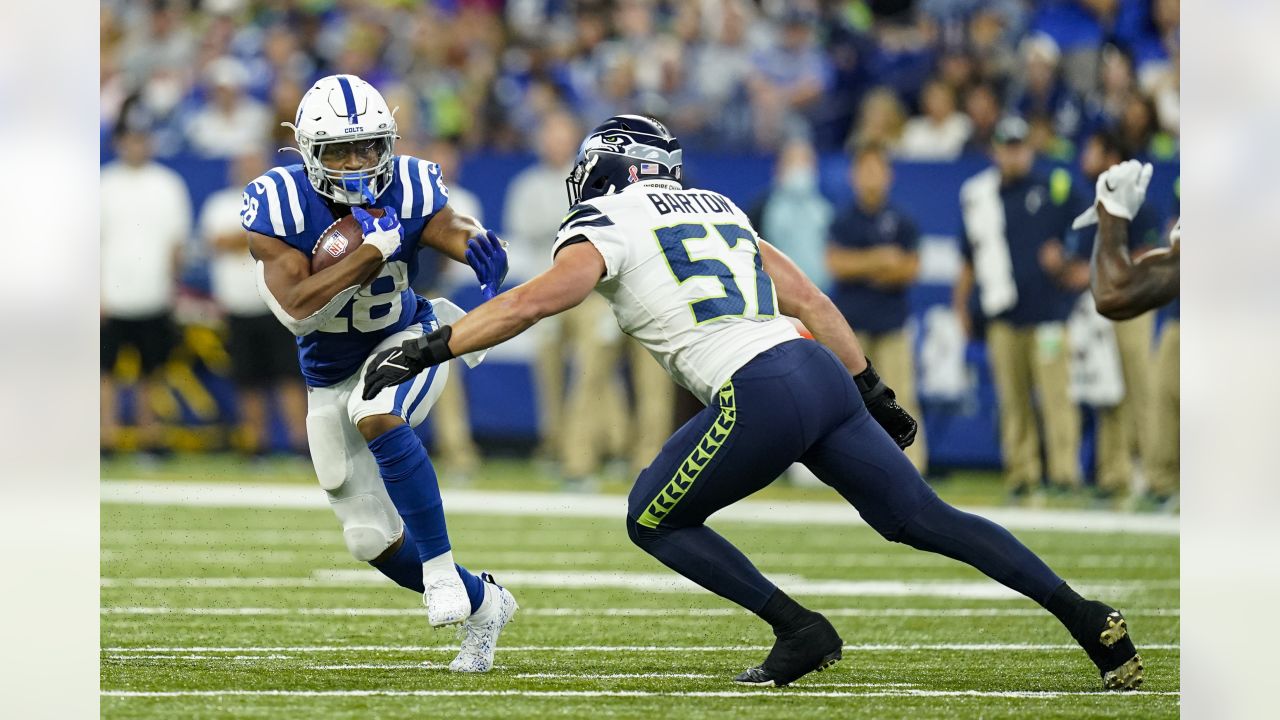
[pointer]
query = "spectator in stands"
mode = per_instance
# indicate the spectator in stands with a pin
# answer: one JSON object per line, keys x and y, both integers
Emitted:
{"x": 231, "y": 121}
{"x": 940, "y": 132}
{"x": 139, "y": 255}
{"x": 1124, "y": 430}
{"x": 1140, "y": 134}
{"x": 577, "y": 427}
{"x": 873, "y": 256}
{"x": 880, "y": 121}
{"x": 718, "y": 69}
{"x": 264, "y": 357}
{"x": 795, "y": 216}
{"x": 787, "y": 81}
{"x": 1040, "y": 92}
{"x": 982, "y": 106}
{"x": 1014, "y": 221}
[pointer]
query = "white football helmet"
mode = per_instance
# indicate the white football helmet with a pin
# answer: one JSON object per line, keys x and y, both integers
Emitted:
{"x": 341, "y": 116}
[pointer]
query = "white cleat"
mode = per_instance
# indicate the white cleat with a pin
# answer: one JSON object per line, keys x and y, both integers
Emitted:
{"x": 446, "y": 600}
{"x": 480, "y": 631}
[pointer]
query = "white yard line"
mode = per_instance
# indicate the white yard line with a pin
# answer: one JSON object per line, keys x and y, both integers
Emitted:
{"x": 611, "y": 676}
{"x": 610, "y": 612}
{"x": 649, "y": 582}
{"x": 789, "y": 693}
{"x": 950, "y": 647}
{"x": 475, "y": 502}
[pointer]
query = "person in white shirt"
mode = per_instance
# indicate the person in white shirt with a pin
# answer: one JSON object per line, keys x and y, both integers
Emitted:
{"x": 581, "y": 423}
{"x": 940, "y": 132}
{"x": 140, "y": 254}
{"x": 231, "y": 120}
{"x": 264, "y": 357}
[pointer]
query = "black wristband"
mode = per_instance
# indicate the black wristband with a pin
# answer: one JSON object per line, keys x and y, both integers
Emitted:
{"x": 869, "y": 383}
{"x": 432, "y": 348}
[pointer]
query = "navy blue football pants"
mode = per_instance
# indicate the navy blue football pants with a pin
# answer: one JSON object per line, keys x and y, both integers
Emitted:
{"x": 797, "y": 403}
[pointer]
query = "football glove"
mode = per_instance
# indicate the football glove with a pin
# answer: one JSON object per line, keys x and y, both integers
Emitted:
{"x": 883, "y": 406}
{"x": 487, "y": 256}
{"x": 384, "y": 233}
{"x": 1121, "y": 190}
{"x": 395, "y": 365}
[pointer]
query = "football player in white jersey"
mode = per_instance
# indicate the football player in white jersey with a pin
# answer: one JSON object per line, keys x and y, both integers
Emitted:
{"x": 688, "y": 277}
{"x": 373, "y": 467}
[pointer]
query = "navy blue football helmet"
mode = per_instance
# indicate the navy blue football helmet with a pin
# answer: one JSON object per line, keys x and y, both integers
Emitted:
{"x": 622, "y": 150}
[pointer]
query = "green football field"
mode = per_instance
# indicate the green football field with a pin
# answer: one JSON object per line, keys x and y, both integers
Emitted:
{"x": 212, "y": 611}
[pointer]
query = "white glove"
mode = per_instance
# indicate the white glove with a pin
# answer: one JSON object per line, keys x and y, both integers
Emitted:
{"x": 384, "y": 233}
{"x": 1121, "y": 190}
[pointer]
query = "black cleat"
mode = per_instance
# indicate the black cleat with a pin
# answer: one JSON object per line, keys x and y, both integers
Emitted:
{"x": 1104, "y": 635}
{"x": 815, "y": 646}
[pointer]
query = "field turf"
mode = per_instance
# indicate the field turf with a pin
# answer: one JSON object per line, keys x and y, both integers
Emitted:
{"x": 212, "y": 612}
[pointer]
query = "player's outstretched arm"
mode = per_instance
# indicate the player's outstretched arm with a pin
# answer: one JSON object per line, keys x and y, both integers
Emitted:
{"x": 291, "y": 288}
{"x": 1122, "y": 287}
{"x": 799, "y": 298}
{"x": 573, "y": 275}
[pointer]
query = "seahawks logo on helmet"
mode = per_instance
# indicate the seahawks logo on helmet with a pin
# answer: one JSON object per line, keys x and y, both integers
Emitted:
{"x": 608, "y": 157}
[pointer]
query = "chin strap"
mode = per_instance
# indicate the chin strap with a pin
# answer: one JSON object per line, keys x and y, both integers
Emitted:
{"x": 310, "y": 323}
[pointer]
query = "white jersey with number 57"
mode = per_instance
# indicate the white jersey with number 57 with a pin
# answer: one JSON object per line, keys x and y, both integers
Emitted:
{"x": 684, "y": 277}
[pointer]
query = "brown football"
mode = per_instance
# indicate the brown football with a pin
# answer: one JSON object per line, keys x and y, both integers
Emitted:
{"x": 338, "y": 240}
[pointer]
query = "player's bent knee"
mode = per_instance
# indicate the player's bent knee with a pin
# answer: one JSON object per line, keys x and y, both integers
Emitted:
{"x": 366, "y": 544}
{"x": 643, "y": 536}
{"x": 369, "y": 526}
{"x": 372, "y": 426}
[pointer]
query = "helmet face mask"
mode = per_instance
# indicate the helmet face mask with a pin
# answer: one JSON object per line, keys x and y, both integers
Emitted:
{"x": 624, "y": 149}
{"x": 343, "y": 117}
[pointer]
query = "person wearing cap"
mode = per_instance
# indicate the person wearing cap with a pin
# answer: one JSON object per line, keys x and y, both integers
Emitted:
{"x": 231, "y": 123}
{"x": 872, "y": 254}
{"x": 1014, "y": 219}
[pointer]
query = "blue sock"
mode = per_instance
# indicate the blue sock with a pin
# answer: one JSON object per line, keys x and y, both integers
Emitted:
{"x": 411, "y": 482}
{"x": 403, "y": 567}
{"x": 473, "y": 583}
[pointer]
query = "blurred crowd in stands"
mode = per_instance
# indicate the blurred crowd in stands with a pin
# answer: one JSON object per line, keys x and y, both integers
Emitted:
{"x": 927, "y": 78}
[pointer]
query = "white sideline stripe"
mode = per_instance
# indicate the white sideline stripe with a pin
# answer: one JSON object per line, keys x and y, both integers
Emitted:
{"x": 326, "y": 551}
{"x": 371, "y": 666}
{"x": 648, "y": 582}
{"x": 611, "y": 676}
{"x": 958, "y": 647}
{"x": 475, "y": 502}
{"x": 796, "y": 692}
{"x": 611, "y": 612}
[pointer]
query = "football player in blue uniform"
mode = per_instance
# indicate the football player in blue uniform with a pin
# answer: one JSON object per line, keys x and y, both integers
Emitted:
{"x": 376, "y": 472}
{"x": 688, "y": 277}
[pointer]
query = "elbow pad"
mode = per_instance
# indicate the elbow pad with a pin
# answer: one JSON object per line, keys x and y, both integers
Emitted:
{"x": 309, "y": 324}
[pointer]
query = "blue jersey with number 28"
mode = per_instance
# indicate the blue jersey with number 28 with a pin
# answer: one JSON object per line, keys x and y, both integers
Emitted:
{"x": 281, "y": 203}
